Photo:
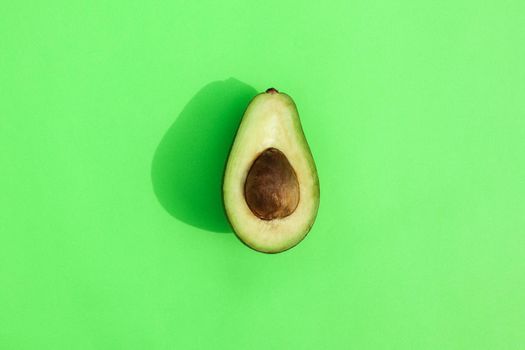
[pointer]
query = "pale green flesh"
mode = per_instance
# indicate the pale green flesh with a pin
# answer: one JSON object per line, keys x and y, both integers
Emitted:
{"x": 271, "y": 120}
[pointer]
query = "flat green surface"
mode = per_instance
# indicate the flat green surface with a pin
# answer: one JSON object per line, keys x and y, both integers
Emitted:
{"x": 115, "y": 122}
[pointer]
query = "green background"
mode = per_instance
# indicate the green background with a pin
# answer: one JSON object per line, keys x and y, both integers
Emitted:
{"x": 115, "y": 122}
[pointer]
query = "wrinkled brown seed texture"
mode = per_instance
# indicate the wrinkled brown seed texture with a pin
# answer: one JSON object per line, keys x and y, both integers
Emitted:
{"x": 271, "y": 189}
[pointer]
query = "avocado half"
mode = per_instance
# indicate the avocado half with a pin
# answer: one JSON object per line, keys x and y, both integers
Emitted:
{"x": 271, "y": 187}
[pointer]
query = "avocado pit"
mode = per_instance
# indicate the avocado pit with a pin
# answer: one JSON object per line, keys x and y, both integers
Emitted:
{"x": 271, "y": 189}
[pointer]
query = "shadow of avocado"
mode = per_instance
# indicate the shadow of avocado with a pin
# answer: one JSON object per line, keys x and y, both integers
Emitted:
{"x": 188, "y": 165}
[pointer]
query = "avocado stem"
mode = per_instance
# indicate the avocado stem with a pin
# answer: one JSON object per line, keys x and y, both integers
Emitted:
{"x": 272, "y": 91}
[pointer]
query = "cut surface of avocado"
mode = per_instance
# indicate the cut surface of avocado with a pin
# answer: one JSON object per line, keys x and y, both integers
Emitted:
{"x": 271, "y": 187}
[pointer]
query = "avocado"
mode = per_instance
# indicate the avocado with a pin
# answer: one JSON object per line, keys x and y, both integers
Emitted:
{"x": 270, "y": 186}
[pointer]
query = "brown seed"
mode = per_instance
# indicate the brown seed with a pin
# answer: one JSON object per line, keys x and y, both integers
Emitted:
{"x": 271, "y": 189}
